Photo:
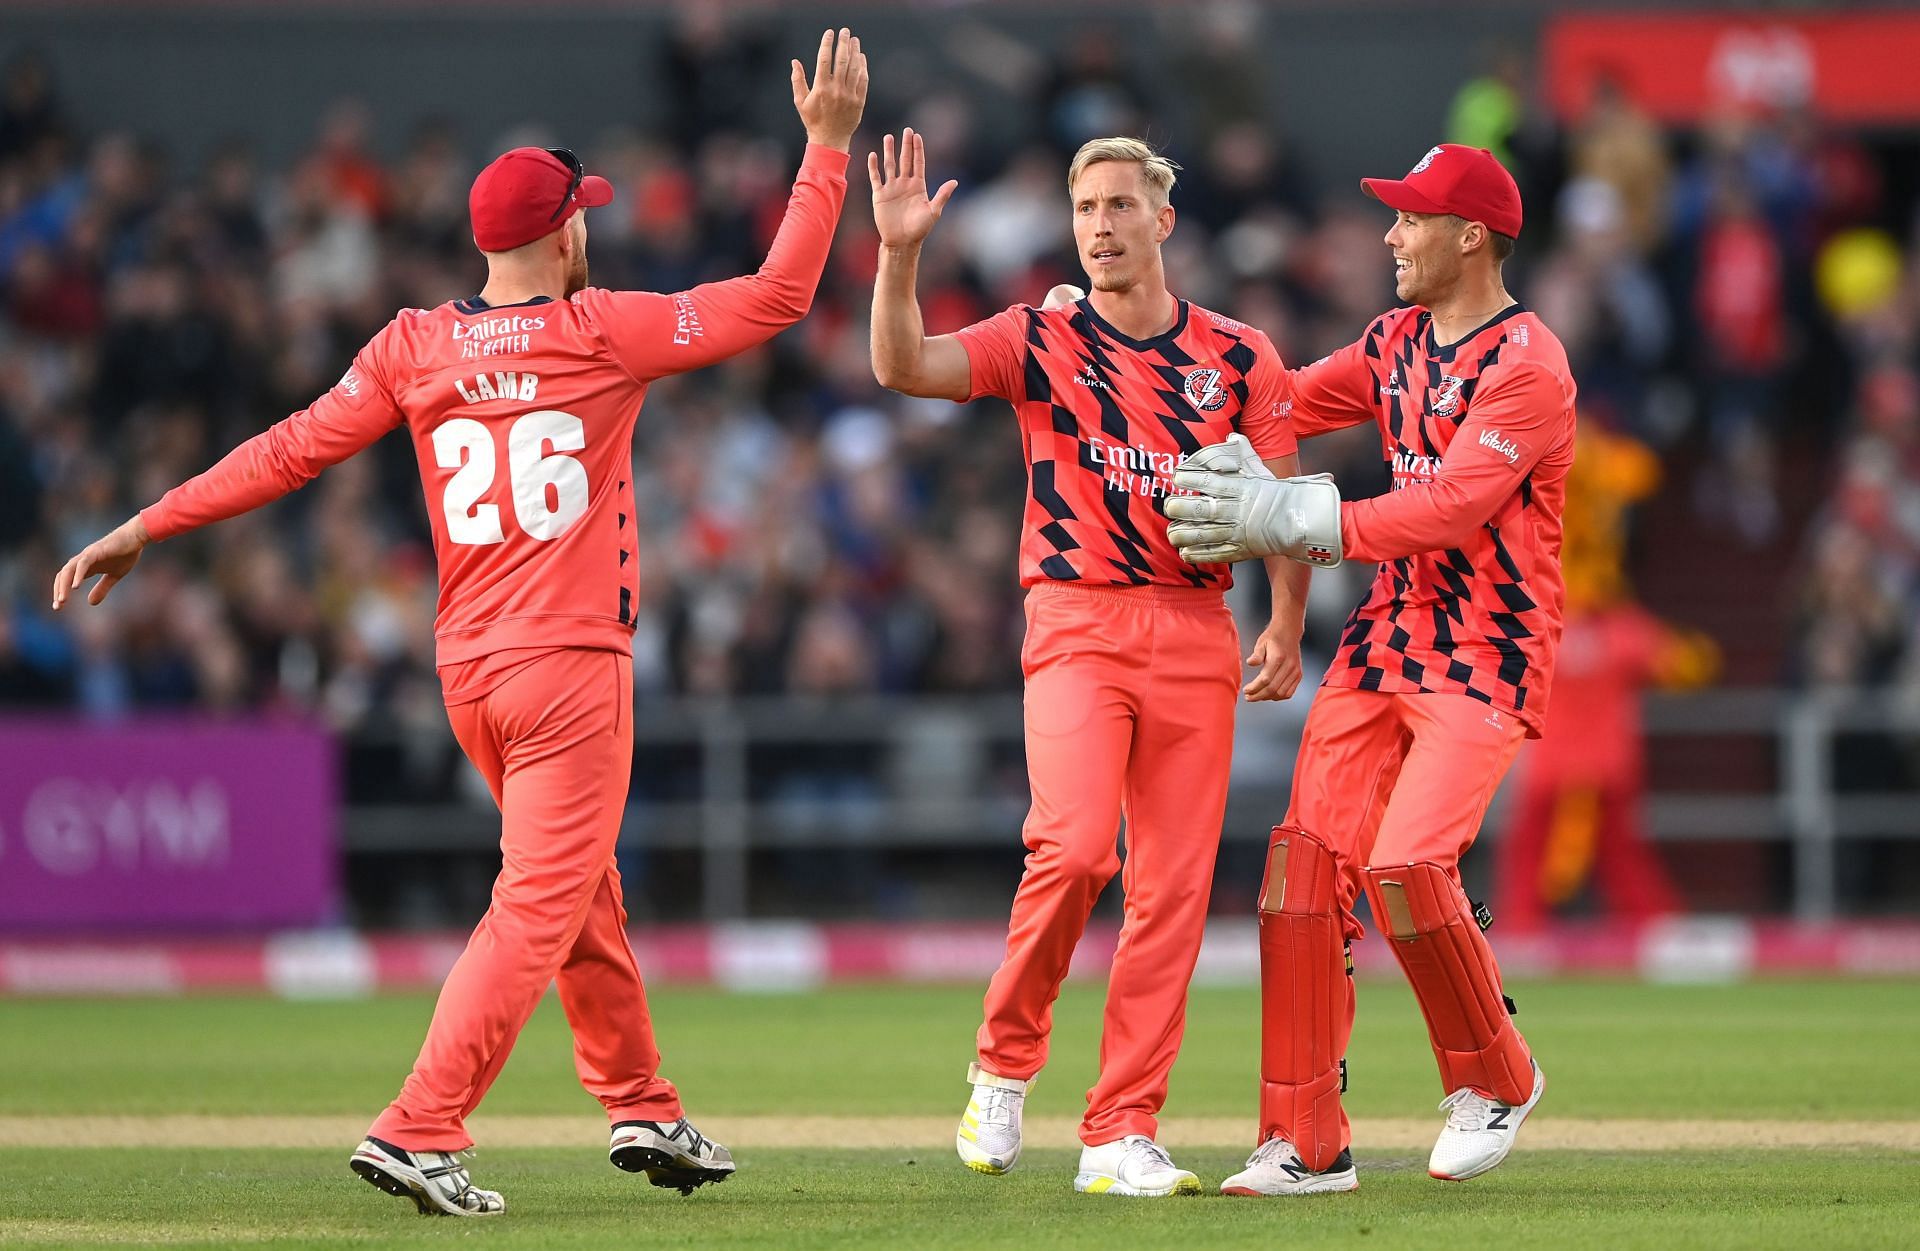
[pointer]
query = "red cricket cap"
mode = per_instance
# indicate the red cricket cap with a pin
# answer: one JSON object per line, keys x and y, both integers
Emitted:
{"x": 530, "y": 192}
{"x": 1452, "y": 178}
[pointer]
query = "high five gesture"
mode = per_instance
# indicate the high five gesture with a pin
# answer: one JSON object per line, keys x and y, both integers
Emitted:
{"x": 902, "y": 211}
{"x": 832, "y": 106}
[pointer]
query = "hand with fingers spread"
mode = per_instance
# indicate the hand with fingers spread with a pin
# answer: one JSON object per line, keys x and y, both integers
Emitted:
{"x": 1235, "y": 509}
{"x": 112, "y": 557}
{"x": 832, "y": 105}
{"x": 902, "y": 211}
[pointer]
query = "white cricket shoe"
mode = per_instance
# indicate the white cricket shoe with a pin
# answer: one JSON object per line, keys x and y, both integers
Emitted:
{"x": 1135, "y": 1166}
{"x": 1274, "y": 1168}
{"x": 1480, "y": 1131}
{"x": 988, "y": 1139}
{"x": 436, "y": 1181}
{"x": 674, "y": 1155}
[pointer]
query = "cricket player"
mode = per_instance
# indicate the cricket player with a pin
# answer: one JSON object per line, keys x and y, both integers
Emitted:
{"x": 521, "y": 403}
{"x": 1442, "y": 670}
{"x": 1131, "y": 657}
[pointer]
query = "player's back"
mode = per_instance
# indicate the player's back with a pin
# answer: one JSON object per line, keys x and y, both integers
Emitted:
{"x": 522, "y": 418}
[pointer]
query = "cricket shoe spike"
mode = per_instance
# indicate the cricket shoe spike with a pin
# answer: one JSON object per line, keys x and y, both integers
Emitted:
{"x": 673, "y": 1154}
{"x": 1274, "y": 1168}
{"x": 988, "y": 1139}
{"x": 1479, "y": 1131}
{"x": 436, "y": 1181}
{"x": 1135, "y": 1166}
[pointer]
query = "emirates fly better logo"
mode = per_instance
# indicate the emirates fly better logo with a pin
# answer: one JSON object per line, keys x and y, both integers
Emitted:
{"x": 1204, "y": 391}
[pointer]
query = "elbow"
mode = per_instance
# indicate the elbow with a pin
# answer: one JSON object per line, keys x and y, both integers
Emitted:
{"x": 795, "y": 303}
{"x": 781, "y": 298}
{"x": 891, "y": 372}
{"x": 1456, "y": 532}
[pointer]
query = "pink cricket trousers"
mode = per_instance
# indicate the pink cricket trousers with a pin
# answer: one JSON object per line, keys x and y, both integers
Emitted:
{"x": 1129, "y": 712}
{"x": 555, "y": 744}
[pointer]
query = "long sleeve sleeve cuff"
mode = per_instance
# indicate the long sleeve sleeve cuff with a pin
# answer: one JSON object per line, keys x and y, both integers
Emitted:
{"x": 827, "y": 160}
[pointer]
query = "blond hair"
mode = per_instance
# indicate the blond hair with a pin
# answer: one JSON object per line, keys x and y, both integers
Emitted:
{"x": 1158, "y": 172}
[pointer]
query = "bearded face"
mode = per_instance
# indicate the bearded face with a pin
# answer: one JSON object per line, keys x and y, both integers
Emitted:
{"x": 577, "y": 257}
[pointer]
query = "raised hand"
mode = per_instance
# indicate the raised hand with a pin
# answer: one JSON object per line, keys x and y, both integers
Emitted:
{"x": 902, "y": 211}
{"x": 113, "y": 557}
{"x": 832, "y": 106}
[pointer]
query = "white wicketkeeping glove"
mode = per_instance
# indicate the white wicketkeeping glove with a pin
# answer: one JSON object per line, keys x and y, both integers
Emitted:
{"x": 1239, "y": 510}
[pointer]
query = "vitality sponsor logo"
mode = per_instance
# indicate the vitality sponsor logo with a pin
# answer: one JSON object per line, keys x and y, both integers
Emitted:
{"x": 1205, "y": 390}
{"x": 1501, "y": 444}
{"x": 1425, "y": 161}
{"x": 349, "y": 383}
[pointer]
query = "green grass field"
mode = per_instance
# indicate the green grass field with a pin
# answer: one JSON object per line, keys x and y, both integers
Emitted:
{"x": 1793, "y": 1060}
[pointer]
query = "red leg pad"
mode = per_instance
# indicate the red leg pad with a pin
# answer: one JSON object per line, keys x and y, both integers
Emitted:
{"x": 1306, "y": 999}
{"x": 1430, "y": 925}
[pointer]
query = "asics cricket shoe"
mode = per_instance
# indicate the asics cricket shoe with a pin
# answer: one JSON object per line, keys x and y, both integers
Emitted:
{"x": 1136, "y": 1166}
{"x": 674, "y": 1155}
{"x": 988, "y": 1139}
{"x": 436, "y": 1181}
{"x": 1480, "y": 1131}
{"x": 1274, "y": 1168}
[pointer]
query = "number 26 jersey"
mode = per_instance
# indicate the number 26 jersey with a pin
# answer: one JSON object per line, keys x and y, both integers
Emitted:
{"x": 522, "y": 418}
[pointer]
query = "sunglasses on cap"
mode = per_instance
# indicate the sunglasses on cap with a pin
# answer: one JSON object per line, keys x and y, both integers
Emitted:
{"x": 579, "y": 171}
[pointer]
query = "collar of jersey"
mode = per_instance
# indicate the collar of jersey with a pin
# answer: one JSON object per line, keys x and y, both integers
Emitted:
{"x": 1439, "y": 353}
{"x": 474, "y": 304}
{"x": 1166, "y": 336}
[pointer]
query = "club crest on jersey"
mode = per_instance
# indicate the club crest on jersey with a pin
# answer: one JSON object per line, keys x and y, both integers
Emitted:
{"x": 1425, "y": 160}
{"x": 1446, "y": 401}
{"x": 1205, "y": 391}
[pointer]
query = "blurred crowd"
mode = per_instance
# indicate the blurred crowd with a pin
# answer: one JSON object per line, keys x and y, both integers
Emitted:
{"x": 1730, "y": 299}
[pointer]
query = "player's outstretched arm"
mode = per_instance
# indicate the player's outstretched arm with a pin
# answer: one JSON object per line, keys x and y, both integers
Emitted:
{"x": 904, "y": 358}
{"x": 1521, "y": 413}
{"x": 282, "y": 458}
{"x": 112, "y": 558}
{"x": 653, "y": 335}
